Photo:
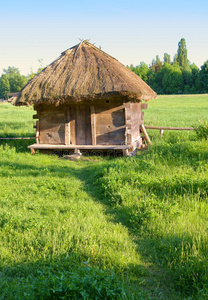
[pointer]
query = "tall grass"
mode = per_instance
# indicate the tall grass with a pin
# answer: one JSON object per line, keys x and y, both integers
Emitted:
{"x": 106, "y": 228}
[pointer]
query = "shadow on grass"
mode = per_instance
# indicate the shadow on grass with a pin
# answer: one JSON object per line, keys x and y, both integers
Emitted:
{"x": 66, "y": 277}
{"x": 19, "y": 145}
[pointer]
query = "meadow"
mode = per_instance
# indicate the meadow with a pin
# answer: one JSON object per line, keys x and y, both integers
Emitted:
{"x": 106, "y": 227}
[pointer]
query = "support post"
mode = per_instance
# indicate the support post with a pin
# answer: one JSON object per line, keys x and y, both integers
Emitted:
{"x": 145, "y": 134}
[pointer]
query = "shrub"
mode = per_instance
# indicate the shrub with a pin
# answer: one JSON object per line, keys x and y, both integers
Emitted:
{"x": 202, "y": 130}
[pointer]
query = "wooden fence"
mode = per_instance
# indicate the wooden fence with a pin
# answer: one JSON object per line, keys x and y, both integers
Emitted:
{"x": 161, "y": 128}
{"x": 18, "y": 138}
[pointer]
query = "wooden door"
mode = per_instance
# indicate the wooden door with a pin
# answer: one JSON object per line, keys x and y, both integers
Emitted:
{"x": 83, "y": 125}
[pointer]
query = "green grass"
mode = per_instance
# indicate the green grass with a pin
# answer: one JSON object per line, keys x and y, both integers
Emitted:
{"x": 106, "y": 228}
{"x": 15, "y": 122}
{"x": 177, "y": 110}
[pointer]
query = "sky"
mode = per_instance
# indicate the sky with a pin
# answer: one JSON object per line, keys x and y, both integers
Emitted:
{"x": 132, "y": 31}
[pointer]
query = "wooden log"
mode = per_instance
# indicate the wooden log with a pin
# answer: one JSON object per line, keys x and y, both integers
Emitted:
{"x": 169, "y": 128}
{"x": 145, "y": 134}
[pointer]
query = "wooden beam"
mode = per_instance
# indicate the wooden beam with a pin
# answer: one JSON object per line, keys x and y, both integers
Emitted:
{"x": 93, "y": 124}
{"x": 81, "y": 147}
{"x": 145, "y": 134}
{"x": 169, "y": 128}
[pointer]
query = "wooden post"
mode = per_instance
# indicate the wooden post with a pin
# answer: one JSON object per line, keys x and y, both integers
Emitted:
{"x": 93, "y": 124}
{"x": 67, "y": 127}
{"x": 161, "y": 132}
{"x": 37, "y": 132}
{"x": 128, "y": 137}
{"x": 32, "y": 151}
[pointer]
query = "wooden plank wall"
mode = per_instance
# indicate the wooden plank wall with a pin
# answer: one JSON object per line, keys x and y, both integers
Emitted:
{"x": 51, "y": 127}
{"x": 89, "y": 124}
{"x": 133, "y": 117}
{"x": 110, "y": 124}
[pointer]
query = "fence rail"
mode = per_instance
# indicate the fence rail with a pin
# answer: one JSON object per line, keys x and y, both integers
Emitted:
{"x": 161, "y": 128}
{"x": 18, "y": 138}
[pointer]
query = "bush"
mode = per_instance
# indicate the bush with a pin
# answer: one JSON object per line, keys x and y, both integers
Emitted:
{"x": 202, "y": 130}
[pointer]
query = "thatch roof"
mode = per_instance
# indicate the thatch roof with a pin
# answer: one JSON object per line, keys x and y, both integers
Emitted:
{"x": 83, "y": 72}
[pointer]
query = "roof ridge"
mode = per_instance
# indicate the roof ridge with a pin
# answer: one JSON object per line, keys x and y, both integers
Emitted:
{"x": 86, "y": 42}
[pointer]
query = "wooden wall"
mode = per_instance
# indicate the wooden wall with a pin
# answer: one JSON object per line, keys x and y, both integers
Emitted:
{"x": 51, "y": 127}
{"x": 110, "y": 124}
{"x": 133, "y": 118}
{"x": 102, "y": 123}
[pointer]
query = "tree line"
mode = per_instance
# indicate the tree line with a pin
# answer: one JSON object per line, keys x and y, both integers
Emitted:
{"x": 174, "y": 77}
{"x": 165, "y": 77}
{"x": 11, "y": 81}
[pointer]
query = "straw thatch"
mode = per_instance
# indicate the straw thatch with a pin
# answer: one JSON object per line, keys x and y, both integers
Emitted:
{"x": 84, "y": 73}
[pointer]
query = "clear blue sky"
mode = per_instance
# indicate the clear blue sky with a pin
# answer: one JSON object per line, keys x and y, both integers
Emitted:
{"x": 130, "y": 30}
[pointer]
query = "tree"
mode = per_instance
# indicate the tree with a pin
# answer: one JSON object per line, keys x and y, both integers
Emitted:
{"x": 203, "y": 78}
{"x": 156, "y": 64}
{"x": 11, "y": 71}
{"x": 178, "y": 76}
{"x": 141, "y": 70}
{"x": 4, "y": 86}
{"x": 166, "y": 58}
{"x": 182, "y": 55}
{"x": 12, "y": 81}
{"x": 172, "y": 81}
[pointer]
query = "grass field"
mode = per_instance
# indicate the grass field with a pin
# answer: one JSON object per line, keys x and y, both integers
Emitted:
{"x": 106, "y": 228}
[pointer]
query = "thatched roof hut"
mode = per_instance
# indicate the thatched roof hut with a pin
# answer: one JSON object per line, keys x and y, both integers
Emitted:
{"x": 84, "y": 72}
{"x": 85, "y": 83}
